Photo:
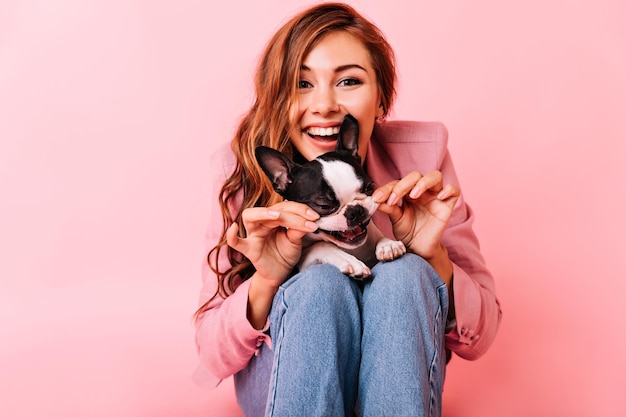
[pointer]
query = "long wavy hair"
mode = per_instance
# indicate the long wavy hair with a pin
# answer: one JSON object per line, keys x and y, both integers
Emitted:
{"x": 268, "y": 122}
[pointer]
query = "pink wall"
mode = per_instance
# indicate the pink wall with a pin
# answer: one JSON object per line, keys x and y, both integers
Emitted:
{"x": 109, "y": 110}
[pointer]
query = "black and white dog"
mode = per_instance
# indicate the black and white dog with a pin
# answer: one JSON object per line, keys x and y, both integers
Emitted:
{"x": 336, "y": 186}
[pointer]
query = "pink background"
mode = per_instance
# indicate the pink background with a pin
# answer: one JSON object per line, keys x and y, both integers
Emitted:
{"x": 109, "y": 110}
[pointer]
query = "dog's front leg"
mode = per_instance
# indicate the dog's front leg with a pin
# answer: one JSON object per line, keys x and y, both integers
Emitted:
{"x": 327, "y": 253}
{"x": 386, "y": 249}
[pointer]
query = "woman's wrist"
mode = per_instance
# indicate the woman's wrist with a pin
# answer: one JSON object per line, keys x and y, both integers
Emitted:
{"x": 261, "y": 294}
{"x": 442, "y": 264}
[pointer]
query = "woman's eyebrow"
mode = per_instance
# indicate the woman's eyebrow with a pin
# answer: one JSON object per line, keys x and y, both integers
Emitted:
{"x": 339, "y": 69}
{"x": 349, "y": 66}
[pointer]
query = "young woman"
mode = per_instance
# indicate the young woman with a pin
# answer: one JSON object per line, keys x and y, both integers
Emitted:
{"x": 315, "y": 342}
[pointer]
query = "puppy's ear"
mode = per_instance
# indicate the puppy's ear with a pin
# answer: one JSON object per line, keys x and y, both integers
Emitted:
{"x": 276, "y": 166}
{"x": 348, "y": 140}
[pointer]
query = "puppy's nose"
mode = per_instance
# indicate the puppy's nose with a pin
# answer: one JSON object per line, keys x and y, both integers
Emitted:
{"x": 356, "y": 215}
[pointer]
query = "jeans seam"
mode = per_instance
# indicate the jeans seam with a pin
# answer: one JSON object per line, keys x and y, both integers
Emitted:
{"x": 436, "y": 356}
{"x": 431, "y": 370}
{"x": 274, "y": 375}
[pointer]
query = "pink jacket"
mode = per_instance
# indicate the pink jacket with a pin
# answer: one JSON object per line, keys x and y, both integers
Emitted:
{"x": 225, "y": 339}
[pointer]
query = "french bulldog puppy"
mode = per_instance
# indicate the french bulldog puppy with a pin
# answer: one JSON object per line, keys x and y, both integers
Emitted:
{"x": 337, "y": 187}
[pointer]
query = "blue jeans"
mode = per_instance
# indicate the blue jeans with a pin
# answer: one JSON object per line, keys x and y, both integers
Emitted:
{"x": 339, "y": 345}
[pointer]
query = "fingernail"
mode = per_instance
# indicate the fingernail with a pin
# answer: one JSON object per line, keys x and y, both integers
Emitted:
{"x": 393, "y": 198}
{"x": 414, "y": 192}
{"x": 312, "y": 213}
{"x": 311, "y": 226}
{"x": 442, "y": 195}
{"x": 377, "y": 196}
{"x": 273, "y": 213}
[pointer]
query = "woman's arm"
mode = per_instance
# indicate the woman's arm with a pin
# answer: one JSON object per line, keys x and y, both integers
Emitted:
{"x": 230, "y": 330}
{"x": 477, "y": 310}
{"x": 225, "y": 339}
{"x": 474, "y": 312}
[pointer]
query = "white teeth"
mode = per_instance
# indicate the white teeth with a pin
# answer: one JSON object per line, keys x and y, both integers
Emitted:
{"x": 323, "y": 131}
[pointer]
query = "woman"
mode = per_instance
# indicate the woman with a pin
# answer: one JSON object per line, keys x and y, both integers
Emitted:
{"x": 316, "y": 342}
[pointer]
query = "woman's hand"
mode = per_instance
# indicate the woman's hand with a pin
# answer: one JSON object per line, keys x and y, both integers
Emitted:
{"x": 273, "y": 241}
{"x": 420, "y": 220}
{"x": 273, "y": 244}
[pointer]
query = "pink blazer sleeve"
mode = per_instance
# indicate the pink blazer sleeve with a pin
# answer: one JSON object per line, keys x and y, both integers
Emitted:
{"x": 225, "y": 340}
{"x": 399, "y": 147}
{"x": 477, "y": 308}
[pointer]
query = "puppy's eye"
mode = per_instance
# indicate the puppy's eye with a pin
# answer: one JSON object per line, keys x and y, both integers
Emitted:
{"x": 322, "y": 208}
{"x": 325, "y": 207}
{"x": 368, "y": 188}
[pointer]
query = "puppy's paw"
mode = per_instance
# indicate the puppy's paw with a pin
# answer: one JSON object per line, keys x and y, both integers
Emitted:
{"x": 327, "y": 253}
{"x": 388, "y": 250}
{"x": 348, "y": 264}
{"x": 355, "y": 269}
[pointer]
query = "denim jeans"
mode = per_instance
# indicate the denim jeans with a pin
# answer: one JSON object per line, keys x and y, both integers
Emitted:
{"x": 339, "y": 346}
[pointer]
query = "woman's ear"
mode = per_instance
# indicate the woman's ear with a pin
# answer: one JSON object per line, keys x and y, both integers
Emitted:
{"x": 381, "y": 111}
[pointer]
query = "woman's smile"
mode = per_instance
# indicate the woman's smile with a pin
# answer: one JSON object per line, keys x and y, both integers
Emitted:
{"x": 336, "y": 79}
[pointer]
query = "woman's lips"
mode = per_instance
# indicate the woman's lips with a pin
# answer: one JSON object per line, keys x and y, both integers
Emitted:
{"x": 326, "y": 143}
{"x": 322, "y": 138}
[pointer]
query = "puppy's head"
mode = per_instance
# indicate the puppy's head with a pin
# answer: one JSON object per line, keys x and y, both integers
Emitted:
{"x": 334, "y": 184}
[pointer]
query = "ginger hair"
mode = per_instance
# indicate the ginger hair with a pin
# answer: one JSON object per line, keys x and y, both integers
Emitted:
{"x": 268, "y": 121}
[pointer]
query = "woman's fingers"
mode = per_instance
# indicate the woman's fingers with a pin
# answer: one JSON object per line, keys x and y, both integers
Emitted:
{"x": 382, "y": 194}
{"x": 448, "y": 191}
{"x": 417, "y": 188}
{"x": 233, "y": 240}
{"x": 413, "y": 185}
{"x": 291, "y": 216}
{"x": 257, "y": 217}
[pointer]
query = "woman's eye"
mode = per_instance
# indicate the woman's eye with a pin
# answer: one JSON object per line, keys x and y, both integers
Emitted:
{"x": 349, "y": 82}
{"x": 304, "y": 84}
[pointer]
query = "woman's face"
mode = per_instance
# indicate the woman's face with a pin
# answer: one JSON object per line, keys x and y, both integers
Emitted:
{"x": 336, "y": 78}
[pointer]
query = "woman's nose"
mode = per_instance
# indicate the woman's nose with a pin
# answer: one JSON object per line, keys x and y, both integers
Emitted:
{"x": 324, "y": 101}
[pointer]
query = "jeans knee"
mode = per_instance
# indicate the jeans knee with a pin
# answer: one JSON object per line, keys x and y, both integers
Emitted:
{"x": 319, "y": 301}
{"x": 406, "y": 281}
{"x": 321, "y": 284}
{"x": 407, "y": 273}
